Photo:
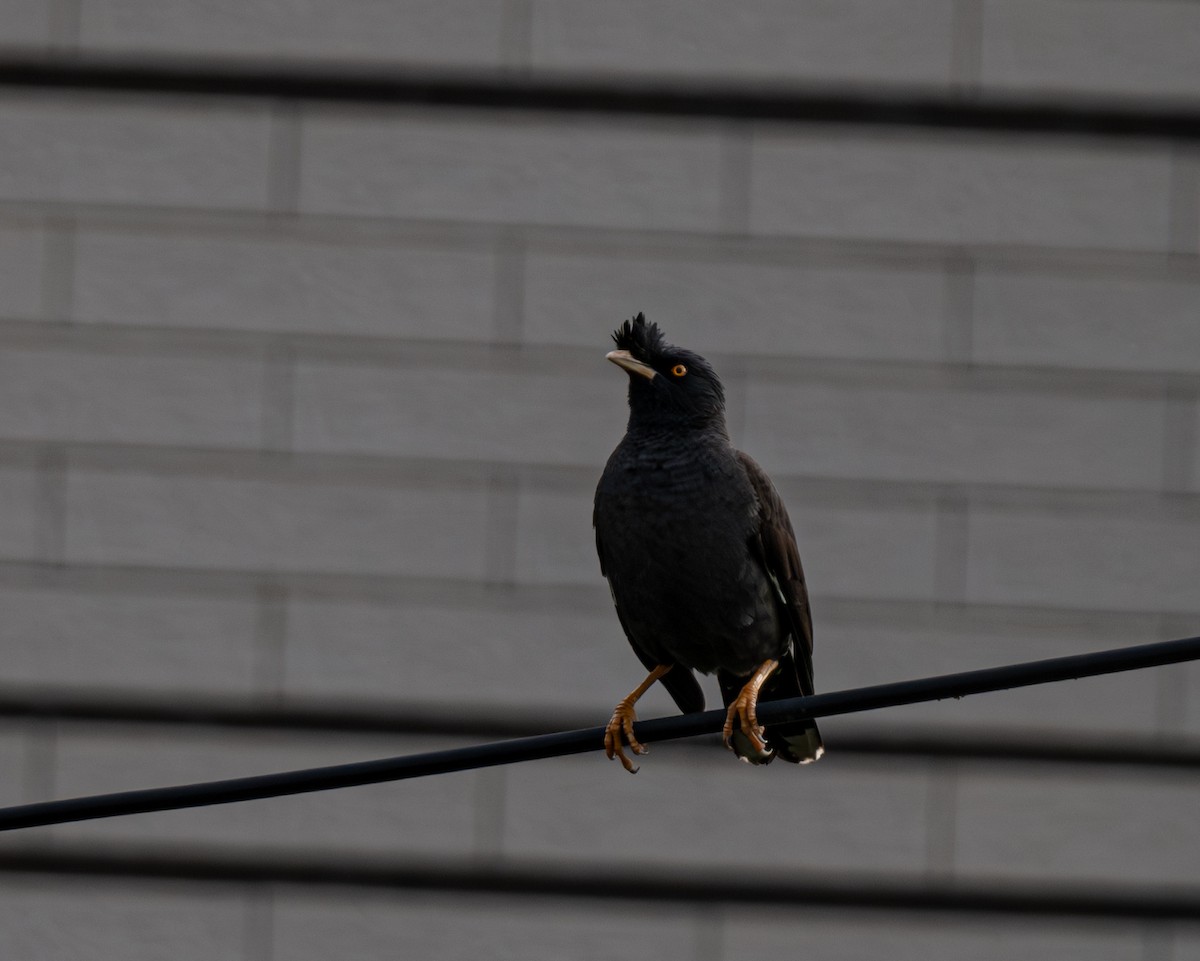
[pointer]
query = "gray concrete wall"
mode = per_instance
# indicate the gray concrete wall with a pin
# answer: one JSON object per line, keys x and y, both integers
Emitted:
{"x": 310, "y": 401}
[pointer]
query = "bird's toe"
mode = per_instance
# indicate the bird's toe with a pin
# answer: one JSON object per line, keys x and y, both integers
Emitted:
{"x": 618, "y": 733}
{"x": 744, "y": 718}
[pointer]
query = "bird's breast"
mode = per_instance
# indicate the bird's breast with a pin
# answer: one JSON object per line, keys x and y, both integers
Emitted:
{"x": 676, "y": 498}
{"x": 676, "y": 532}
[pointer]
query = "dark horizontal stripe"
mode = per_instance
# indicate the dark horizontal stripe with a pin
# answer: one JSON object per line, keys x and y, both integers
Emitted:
{"x": 717, "y": 884}
{"x": 307, "y": 714}
{"x": 643, "y": 96}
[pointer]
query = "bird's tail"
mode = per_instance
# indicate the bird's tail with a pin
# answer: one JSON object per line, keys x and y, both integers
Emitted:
{"x": 798, "y": 742}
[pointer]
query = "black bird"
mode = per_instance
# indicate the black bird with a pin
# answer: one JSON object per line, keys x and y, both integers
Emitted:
{"x": 700, "y": 556}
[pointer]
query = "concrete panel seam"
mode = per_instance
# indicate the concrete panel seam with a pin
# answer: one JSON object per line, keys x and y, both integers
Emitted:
{"x": 1172, "y": 687}
{"x": 942, "y": 820}
{"x": 65, "y": 19}
{"x": 39, "y": 770}
{"x": 959, "y": 320}
{"x": 279, "y": 396}
{"x": 966, "y": 56}
{"x": 710, "y": 934}
{"x": 501, "y": 540}
{"x": 508, "y": 312}
{"x": 490, "y": 790}
{"x": 1158, "y": 942}
{"x": 1170, "y": 702}
{"x": 270, "y": 639}
{"x": 284, "y": 157}
{"x": 52, "y": 505}
{"x": 258, "y": 919}
{"x": 1181, "y": 406}
{"x": 58, "y": 269}
{"x": 516, "y": 35}
{"x": 599, "y": 239}
{"x": 952, "y": 546}
{"x": 735, "y": 172}
{"x": 1185, "y": 201}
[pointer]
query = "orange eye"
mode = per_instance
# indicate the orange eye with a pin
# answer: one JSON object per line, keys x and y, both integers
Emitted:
{"x": 679, "y": 370}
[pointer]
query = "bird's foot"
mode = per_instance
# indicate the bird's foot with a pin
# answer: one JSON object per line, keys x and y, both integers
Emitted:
{"x": 742, "y": 713}
{"x": 620, "y": 731}
{"x": 743, "y": 710}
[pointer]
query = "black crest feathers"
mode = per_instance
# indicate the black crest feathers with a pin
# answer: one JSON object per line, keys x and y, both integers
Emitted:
{"x": 640, "y": 337}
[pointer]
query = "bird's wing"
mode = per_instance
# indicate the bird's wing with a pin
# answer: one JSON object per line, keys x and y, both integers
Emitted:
{"x": 680, "y": 682}
{"x": 775, "y": 543}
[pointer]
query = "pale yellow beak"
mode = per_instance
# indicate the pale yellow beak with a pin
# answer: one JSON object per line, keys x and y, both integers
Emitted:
{"x": 623, "y": 358}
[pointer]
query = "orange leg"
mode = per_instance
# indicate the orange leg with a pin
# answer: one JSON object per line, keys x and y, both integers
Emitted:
{"x": 620, "y": 725}
{"x": 744, "y": 708}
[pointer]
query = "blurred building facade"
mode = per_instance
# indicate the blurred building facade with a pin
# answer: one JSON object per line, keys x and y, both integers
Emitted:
{"x": 303, "y": 404}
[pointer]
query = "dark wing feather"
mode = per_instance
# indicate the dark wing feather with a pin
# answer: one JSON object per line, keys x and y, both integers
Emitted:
{"x": 776, "y": 543}
{"x": 680, "y": 683}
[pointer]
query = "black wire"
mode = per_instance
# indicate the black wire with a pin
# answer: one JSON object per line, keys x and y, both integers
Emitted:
{"x": 638, "y": 883}
{"x": 69, "y": 705}
{"x": 660, "y": 97}
{"x": 591, "y": 739}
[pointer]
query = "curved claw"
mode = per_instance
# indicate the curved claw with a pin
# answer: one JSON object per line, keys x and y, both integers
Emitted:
{"x": 620, "y": 731}
{"x": 743, "y": 708}
{"x": 620, "y": 725}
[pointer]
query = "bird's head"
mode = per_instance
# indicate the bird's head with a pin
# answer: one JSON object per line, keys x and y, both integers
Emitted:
{"x": 668, "y": 385}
